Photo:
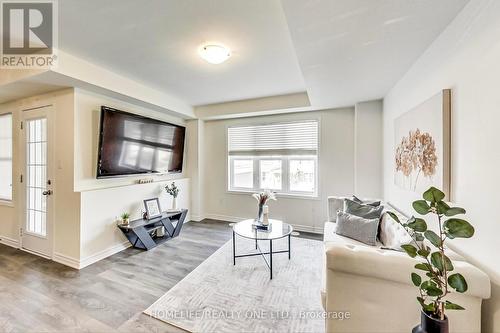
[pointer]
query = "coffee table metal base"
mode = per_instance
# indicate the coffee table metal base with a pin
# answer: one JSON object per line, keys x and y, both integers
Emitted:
{"x": 260, "y": 253}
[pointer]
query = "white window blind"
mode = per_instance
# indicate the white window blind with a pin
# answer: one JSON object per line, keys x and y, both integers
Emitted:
{"x": 297, "y": 138}
{"x": 6, "y": 157}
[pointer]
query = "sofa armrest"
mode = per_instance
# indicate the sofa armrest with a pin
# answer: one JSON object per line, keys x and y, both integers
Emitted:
{"x": 396, "y": 266}
{"x": 334, "y": 205}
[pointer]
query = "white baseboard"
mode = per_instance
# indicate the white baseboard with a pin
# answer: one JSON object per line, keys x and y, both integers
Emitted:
{"x": 235, "y": 219}
{"x": 226, "y": 218}
{"x": 9, "y": 241}
{"x": 104, "y": 254}
{"x": 65, "y": 260}
{"x": 79, "y": 264}
{"x": 196, "y": 218}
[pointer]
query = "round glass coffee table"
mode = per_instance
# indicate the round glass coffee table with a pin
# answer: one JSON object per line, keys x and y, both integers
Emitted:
{"x": 246, "y": 229}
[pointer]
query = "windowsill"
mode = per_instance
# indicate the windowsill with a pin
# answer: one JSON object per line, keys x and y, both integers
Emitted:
{"x": 6, "y": 203}
{"x": 278, "y": 195}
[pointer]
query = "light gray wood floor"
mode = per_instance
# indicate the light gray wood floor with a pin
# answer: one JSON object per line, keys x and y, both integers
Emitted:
{"x": 39, "y": 295}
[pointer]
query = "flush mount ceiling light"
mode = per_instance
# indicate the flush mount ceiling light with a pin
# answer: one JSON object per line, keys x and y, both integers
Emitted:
{"x": 214, "y": 53}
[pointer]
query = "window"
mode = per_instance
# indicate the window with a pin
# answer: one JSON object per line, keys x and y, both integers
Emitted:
{"x": 6, "y": 157}
{"x": 281, "y": 157}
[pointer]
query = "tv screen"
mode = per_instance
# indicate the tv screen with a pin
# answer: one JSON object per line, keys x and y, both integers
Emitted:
{"x": 130, "y": 144}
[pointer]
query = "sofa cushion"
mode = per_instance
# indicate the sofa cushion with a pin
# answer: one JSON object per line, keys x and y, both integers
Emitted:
{"x": 330, "y": 237}
{"x": 373, "y": 203}
{"x": 361, "y": 210}
{"x": 358, "y": 228}
{"x": 392, "y": 234}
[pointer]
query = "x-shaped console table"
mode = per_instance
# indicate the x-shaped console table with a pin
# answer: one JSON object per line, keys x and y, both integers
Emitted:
{"x": 138, "y": 232}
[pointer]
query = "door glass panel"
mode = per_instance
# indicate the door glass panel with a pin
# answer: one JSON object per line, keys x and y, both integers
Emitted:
{"x": 36, "y": 178}
{"x": 270, "y": 174}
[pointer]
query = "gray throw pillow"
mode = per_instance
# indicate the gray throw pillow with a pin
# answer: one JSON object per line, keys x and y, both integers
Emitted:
{"x": 358, "y": 228}
{"x": 366, "y": 202}
{"x": 362, "y": 210}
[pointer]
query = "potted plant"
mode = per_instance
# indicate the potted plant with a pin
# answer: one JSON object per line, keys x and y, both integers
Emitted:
{"x": 125, "y": 218}
{"x": 435, "y": 278}
{"x": 262, "y": 199}
{"x": 173, "y": 190}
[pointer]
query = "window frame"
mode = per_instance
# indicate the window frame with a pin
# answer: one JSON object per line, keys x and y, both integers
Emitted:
{"x": 7, "y": 201}
{"x": 285, "y": 191}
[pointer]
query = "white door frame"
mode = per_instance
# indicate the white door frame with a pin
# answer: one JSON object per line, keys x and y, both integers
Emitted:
{"x": 27, "y": 114}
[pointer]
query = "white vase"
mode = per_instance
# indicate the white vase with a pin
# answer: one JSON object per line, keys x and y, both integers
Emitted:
{"x": 265, "y": 213}
{"x": 174, "y": 203}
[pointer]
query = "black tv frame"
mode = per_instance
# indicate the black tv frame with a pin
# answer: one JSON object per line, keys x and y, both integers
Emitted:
{"x": 99, "y": 148}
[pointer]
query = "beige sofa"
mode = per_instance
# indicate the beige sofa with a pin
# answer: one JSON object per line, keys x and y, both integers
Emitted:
{"x": 373, "y": 286}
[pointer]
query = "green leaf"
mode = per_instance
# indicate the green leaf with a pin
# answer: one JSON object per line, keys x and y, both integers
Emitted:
{"x": 431, "y": 307}
{"x": 416, "y": 279}
{"x": 423, "y": 267}
{"x": 433, "y": 238}
{"x": 458, "y": 228}
{"x": 419, "y": 237}
{"x": 421, "y": 301}
{"x": 452, "y": 306}
{"x": 410, "y": 250}
{"x": 433, "y": 195}
{"x": 454, "y": 211}
{"x": 418, "y": 225}
{"x": 431, "y": 288}
{"x": 424, "y": 252}
{"x": 457, "y": 282}
{"x": 394, "y": 217}
{"x": 421, "y": 207}
{"x": 437, "y": 261}
{"x": 442, "y": 207}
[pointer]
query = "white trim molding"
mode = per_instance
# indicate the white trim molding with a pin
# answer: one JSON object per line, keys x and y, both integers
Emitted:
{"x": 82, "y": 263}
{"x": 65, "y": 260}
{"x": 9, "y": 241}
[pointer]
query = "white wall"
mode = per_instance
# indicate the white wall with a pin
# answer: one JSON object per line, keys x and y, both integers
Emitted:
{"x": 66, "y": 202}
{"x": 195, "y": 166}
{"x": 336, "y": 171}
{"x": 465, "y": 58}
{"x": 100, "y": 210}
{"x": 368, "y": 149}
{"x": 102, "y": 200}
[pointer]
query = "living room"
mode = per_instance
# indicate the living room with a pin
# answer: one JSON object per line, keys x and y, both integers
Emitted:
{"x": 249, "y": 166}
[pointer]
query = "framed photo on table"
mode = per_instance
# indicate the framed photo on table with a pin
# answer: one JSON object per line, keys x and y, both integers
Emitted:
{"x": 152, "y": 207}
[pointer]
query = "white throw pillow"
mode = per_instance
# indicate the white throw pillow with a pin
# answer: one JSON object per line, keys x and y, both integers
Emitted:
{"x": 392, "y": 234}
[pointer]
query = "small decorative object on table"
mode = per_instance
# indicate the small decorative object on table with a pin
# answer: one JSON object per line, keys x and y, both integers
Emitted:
{"x": 173, "y": 190}
{"x": 152, "y": 207}
{"x": 435, "y": 285}
{"x": 125, "y": 219}
{"x": 262, "y": 221}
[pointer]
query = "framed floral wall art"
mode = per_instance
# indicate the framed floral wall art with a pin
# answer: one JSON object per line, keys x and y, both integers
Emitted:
{"x": 422, "y": 145}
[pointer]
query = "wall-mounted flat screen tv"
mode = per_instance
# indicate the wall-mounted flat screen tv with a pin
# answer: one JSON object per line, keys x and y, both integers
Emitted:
{"x": 130, "y": 144}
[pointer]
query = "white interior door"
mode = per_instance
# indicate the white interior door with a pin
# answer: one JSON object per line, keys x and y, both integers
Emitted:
{"x": 37, "y": 214}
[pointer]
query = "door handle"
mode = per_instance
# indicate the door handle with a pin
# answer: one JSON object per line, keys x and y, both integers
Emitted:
{"x": 48, "y": 192}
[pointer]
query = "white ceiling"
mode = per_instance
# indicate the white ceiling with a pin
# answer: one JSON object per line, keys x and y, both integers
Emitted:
{"x": 156, "y": 42}
{"x": 356, "y": 50}
{"x": 339, "y": 51}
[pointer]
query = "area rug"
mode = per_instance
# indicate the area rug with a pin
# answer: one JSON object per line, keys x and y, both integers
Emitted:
{"x": 220, "y": 297}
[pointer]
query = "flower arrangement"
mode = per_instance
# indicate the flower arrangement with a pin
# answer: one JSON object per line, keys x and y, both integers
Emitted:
{"x": 173, "y": 190}
{"x": 263, "y": 197}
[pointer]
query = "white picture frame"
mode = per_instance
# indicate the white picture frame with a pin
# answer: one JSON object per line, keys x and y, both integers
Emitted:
{"x": 153, "y": 208}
